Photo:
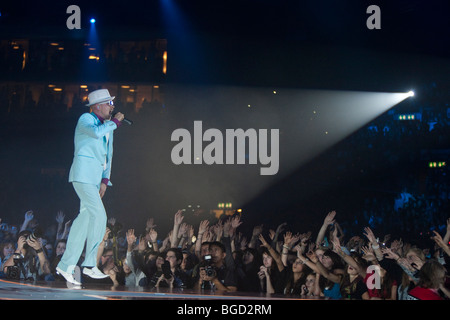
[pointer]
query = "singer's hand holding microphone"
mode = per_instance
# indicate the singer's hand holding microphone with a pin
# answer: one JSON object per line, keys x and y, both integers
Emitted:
{"x": 120, "y": 116}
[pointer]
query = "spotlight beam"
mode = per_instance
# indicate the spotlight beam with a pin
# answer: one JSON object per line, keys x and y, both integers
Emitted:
{"x": 310, "y": 122}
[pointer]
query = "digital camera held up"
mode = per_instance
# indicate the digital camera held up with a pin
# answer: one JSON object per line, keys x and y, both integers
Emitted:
{"x": 209, "y": 268}
{"x": 14, "y": 272}
{"x": 30, "y": 235}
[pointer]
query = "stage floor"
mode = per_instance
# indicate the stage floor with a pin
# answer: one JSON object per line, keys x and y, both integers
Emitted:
{"x": 60, "y": 290}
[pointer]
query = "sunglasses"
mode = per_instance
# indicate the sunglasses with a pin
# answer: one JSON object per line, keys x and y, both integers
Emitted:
{"x": 109, "y": 103}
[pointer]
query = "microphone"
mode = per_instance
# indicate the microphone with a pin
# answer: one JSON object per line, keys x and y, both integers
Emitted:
{"x": 127, "y": 121}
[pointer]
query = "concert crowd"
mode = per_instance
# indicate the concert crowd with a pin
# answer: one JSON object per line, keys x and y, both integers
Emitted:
{"x": 322, "y": 264}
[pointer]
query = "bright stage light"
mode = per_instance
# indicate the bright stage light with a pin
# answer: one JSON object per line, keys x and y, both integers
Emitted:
{"x": 411, "y": 93}
{"x": 92, "y": 20}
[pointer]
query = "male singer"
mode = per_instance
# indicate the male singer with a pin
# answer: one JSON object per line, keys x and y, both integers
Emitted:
{"x": 89, "y": 175}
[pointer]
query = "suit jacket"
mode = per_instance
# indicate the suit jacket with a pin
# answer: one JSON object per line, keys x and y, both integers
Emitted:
{"x": 93, "y": 150}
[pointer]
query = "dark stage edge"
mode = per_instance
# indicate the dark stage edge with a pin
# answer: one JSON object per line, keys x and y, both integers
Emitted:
{"x": 59, "y": 290}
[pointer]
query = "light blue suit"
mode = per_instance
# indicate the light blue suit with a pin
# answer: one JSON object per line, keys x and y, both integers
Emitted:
{"x": 92, "y": 150}
{"x": 91, "y": 163}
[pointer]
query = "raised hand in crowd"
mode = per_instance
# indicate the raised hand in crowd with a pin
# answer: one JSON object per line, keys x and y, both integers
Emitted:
{"x": 131, "y": 240}
{"x": 178, "y": 219}
{"x": 29, "y": 215}
{"x": 329, "y": 220}
{"x": 257, "y": 230}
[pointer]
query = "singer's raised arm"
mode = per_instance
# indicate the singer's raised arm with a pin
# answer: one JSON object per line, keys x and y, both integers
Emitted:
{"x": 87, "y": 125}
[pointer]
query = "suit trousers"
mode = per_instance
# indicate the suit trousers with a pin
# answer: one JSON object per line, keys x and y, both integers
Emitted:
{"x": 87, "y": 229}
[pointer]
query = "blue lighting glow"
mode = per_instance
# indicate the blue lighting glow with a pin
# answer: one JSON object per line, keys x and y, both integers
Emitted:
{"x": 92, "y": 20}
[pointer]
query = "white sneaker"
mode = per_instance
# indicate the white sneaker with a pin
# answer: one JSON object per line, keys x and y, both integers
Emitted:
{"x": 72, "y": 286}
{"x": 69, "y": 277}
{"x": 94, "y": 273}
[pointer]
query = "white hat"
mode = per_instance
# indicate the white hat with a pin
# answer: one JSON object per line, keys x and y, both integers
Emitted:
{"x": 99, "y": 96}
